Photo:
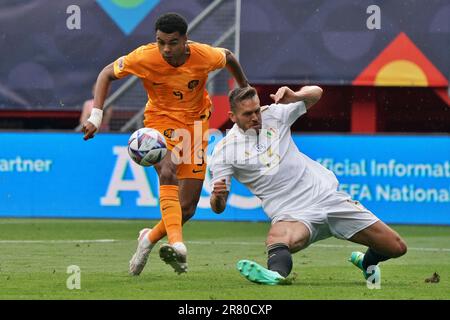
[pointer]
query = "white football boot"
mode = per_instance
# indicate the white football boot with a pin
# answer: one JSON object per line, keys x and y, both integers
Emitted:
{"x": 174, "y": 255}
{"x": 139, "y": 259}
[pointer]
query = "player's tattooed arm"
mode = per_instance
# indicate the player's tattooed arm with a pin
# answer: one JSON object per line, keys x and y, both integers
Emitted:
{"x": 235, "y": 69}
{"x": 219, "y": 196}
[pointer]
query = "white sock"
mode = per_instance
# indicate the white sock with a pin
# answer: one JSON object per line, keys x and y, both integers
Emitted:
{"x": 180, "y": 247}
{"x": 146, "y": 241}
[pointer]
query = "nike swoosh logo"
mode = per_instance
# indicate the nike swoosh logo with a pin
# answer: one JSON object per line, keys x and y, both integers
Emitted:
{"x": 157, "y": 83}
{"x": 196, "y": 171}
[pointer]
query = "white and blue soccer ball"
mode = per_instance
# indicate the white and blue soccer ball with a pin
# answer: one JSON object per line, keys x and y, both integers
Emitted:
{"x": 147, "y": 147}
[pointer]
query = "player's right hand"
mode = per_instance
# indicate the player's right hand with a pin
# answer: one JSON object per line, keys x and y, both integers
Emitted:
{"x": 219, "y": 196}
{"x": 220, "y": 188}
{"x": 88, "y": 130}
{"x": 284, "y": 95}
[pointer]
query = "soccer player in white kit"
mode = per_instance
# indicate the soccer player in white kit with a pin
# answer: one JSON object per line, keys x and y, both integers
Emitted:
{"x": 298, "y": 194}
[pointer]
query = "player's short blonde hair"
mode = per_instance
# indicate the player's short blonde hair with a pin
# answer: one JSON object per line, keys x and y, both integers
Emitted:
{"x": 239, "y": 94}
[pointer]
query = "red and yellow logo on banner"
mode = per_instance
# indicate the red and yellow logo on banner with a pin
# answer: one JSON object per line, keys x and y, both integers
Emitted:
{"x": 401, "y": 63}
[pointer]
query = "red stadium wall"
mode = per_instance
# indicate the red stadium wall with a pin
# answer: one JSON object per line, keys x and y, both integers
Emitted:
{"x": 350, "y": 109}
{"x": 358, "y": 109}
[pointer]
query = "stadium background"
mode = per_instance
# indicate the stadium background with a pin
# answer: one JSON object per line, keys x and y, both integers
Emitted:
{"x": 385, "y": 100}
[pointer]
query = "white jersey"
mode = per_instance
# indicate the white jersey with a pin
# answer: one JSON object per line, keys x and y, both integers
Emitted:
{"x": 270, "y": 164}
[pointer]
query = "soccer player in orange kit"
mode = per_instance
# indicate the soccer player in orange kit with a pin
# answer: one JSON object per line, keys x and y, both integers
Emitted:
{"x": 174, "y": 72}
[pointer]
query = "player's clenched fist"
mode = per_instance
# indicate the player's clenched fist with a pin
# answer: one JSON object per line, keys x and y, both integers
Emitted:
{"x": 220, "y": 188}
{"x": 219, "y": 196}
{"x": 93, "y": 123}
{"x": 88, "y": 130}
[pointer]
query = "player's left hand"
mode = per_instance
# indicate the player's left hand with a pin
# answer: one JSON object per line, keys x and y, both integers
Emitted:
{"x": 284, "y": 95}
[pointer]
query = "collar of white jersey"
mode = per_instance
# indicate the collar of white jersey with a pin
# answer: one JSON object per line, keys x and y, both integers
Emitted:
{"x": 248, "y": 133}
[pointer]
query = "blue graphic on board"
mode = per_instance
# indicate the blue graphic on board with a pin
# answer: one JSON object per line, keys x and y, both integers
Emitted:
{"x": 127, "y": 14}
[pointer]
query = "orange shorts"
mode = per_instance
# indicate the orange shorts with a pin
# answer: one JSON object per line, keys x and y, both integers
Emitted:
{"x": 188, "y": 143}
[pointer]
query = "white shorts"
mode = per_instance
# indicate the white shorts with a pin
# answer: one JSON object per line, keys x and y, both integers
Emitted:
{"x": 337, "y": 215}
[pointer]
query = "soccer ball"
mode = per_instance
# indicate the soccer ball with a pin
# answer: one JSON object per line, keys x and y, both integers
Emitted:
{"x": 147, "y": 147}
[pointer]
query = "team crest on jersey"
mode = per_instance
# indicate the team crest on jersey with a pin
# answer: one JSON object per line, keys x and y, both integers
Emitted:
{"x": 192, "y": 84}
{"x": 168, "y": 133}
{"x": 260, "y": 147}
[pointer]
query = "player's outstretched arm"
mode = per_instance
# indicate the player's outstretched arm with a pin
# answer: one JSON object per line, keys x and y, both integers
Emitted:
{"x": 104, "y": 79}
{"x": 234, "y": 67}
{"x": 308, "y": 94}
{"x": 219, "y": 196}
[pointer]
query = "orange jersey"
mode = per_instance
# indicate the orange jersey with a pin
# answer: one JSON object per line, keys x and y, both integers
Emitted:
{"x": 177, "y": 92}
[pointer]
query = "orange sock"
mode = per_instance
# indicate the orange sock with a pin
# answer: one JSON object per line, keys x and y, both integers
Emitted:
{"x": 171, "y": 212}
{"x": 158, "y": 232}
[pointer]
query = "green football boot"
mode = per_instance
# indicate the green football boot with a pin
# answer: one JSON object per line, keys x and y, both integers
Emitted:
{"x": 357, "y": 258}
{"x": 258, "y": 274}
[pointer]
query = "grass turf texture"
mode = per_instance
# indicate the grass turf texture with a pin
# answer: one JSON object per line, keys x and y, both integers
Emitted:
{"x": 36, "y": 268}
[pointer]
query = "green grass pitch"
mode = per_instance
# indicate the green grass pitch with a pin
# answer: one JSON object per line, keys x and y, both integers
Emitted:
{"x": 35, "y": 254}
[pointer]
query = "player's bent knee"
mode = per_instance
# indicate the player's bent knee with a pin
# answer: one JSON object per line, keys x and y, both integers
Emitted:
{"x": 168, "y": 175}
{"x": 397, "y": 249}
{"x": 401, "y": 248}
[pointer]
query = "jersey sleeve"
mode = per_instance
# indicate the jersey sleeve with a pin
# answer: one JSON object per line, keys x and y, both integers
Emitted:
{"x": 130, "y": 64}
{"x": 288, "y": 113}
{"x": 216, "y": 58}
{"x": 219, "y": 168}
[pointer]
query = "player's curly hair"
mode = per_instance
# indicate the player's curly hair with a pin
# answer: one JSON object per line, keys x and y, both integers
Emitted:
{"x": 171, "y": 22}
{"x": 239, "y": 94}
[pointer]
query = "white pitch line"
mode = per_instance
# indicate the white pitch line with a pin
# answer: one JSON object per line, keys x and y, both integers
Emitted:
{"x": 313, "y": 245}
{"x": 59, "y": 241}
{"x": 237, "y": 243}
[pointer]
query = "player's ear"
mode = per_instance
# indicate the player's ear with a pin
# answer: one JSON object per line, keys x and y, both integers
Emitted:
{"x": 232, "y": 116}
